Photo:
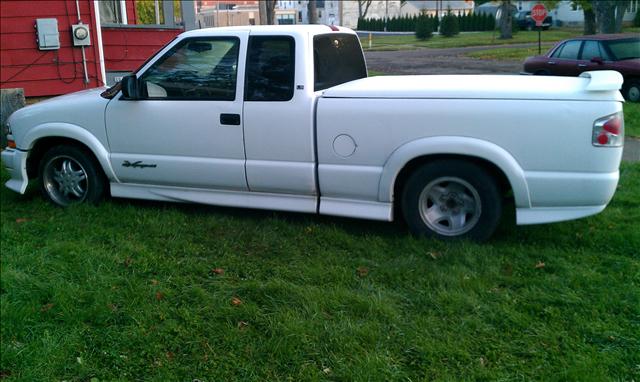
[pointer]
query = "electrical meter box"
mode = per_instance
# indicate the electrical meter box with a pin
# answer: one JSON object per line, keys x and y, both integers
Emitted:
{"x": 48, "y": 36}
{"x": 81, "y": 36}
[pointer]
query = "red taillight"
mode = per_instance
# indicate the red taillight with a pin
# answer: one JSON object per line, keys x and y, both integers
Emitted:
{"x": 613, "y": 125}
{"x": 603, "y": 139}
{"x": 609, "y": 131}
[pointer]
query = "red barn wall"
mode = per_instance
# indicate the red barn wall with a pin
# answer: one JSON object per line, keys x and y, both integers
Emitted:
{"x": 125, "y": 49}
{"x": 45, "y": 72}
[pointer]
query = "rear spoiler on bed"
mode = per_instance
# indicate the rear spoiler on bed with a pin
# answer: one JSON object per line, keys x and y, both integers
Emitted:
{"x": 603, "y": 80}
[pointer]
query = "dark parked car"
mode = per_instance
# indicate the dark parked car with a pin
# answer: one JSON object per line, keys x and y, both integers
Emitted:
{"x": 524, "y": 21}
{"x": 598, "y": 52}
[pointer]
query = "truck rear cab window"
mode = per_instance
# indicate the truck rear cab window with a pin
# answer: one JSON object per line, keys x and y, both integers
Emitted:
{"x": 338, "y": 58}
{"x": 195, "y": 69}
{"x": 270, "y": 68}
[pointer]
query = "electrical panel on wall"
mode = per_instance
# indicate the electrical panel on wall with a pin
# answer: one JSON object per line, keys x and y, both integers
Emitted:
{"x": 48, "y": 36}
{"x": 81, "y": 36}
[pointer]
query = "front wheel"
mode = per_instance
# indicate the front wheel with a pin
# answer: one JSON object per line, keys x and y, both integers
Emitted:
{"x": 452, "y": 199}
{"x": 69, "y": 175}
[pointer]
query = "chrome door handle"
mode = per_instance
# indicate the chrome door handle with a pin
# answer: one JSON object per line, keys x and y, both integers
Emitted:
{"x": 551, "y": 62}
{"x": 230, "y": 119}
{"x": 582, "y": 65}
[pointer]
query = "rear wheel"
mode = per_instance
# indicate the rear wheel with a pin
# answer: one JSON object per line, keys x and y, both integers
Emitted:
{"x": 452, "y": 199}
{"x": 69, "y": 175}
{"x": 632, "y": 91}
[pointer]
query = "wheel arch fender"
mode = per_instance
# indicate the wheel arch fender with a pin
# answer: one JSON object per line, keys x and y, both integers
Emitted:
{"x": 71, "y": 132}
{"x": 454, "y": 145}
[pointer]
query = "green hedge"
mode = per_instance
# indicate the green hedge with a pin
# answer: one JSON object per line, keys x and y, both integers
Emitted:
{"x": 468, "y": 23}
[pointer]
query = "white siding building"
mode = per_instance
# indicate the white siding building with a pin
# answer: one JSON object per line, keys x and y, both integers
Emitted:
{"x": 328, "y": 11}
{"x": 377, "y": 10}
{"x": 437, "y": 7}
{"x": 569, "y": 14}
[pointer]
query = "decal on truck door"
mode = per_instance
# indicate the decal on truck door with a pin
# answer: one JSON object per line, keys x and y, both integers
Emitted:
{"x": 138, "y": 164}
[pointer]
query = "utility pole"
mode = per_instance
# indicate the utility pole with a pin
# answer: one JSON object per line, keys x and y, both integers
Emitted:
{"x": 386, "y": 14}
{"x": 311, "y": 12}
{"x": 262, "y": 12}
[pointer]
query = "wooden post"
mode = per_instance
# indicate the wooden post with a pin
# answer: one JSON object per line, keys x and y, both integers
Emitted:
{"x": 10, "y": 101}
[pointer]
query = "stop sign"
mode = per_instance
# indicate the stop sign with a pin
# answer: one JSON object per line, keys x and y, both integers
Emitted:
{"x": 538, "y": 14}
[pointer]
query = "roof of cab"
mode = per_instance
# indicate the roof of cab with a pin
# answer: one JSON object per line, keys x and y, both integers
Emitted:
{"x": 301, "y": 29}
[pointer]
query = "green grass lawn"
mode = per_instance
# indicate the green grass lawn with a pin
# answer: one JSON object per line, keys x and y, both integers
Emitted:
{"x": 135, "y": 290}
{"x": 632, "y": 119}
{"x": 401, "y": 42}
{"x": 514, "y": 54}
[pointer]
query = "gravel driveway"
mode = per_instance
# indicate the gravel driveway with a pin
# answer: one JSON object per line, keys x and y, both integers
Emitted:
{"x": 441, "y": 61}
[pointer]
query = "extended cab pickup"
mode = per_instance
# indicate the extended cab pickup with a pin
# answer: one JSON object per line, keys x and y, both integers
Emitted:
{"x": 286, "y": 118}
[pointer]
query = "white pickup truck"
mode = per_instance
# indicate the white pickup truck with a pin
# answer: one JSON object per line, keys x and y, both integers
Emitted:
{"x": 285, "y": 118}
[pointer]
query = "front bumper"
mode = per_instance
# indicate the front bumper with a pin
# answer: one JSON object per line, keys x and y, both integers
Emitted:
{"x": 15, "y": 161}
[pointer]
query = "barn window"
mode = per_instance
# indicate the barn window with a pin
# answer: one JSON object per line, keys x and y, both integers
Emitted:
{"x": 111, "y": 12}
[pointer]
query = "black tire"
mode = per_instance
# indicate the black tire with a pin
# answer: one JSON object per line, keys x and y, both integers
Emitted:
{"x": 70, "y": 175}
{"x": 466, "y": 184}
{"x": 631, "y": 91}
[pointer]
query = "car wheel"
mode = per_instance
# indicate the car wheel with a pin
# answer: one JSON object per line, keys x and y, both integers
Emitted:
{"x": 69, "y": 175}
{"x": 529, "y": 27}
{"x": 632, "y": 91}
{"x": 452, "y": 199}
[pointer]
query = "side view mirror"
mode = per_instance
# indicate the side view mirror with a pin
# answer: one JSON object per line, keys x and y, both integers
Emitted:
{"x": 597, "y": 60}
{"x": 130, "y": 88}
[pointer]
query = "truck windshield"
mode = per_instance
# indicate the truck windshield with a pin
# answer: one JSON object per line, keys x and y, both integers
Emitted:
{"x": 337, "y": 59}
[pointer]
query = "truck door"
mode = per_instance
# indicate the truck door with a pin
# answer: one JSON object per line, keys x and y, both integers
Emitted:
{"x": 186, "y": 128}
{"x": 278, "y": 115}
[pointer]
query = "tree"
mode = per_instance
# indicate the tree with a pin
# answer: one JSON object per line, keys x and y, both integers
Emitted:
{"x": 621, "y": 8}
{"x": 267, "y": 12}
{"x": 146, "y": 11}
{"x": 506, "y": 20}
{"x": 424, "y": 29}
{"x": 588, "y": 14}
{"x": 311, "y": 11}
{"x": 605, "y": 11}
{"x": 449, "y": 26}
{"x": 363, "y": 7}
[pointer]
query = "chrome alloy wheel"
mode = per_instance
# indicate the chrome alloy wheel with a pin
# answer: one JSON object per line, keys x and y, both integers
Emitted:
{"x": 65, "y": 180}
{"x": 450, "y": 206}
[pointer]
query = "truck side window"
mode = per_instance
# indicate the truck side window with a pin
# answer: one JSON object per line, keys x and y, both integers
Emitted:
{"x": 195, "y": 69}
{"x": 270, "y": 68}
{"x": 338, "y": 58}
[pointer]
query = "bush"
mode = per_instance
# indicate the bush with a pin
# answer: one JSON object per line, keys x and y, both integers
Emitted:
{"x": 636, "y": 20}
{"x": 424, "y": 29}
{"x": 449, "y": 25}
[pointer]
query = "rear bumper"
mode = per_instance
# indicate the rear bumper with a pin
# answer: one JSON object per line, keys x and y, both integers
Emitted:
{"x": 541, "y": 215}
{"x": 15, "y": 161}
{"x": 558, "y": 196}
